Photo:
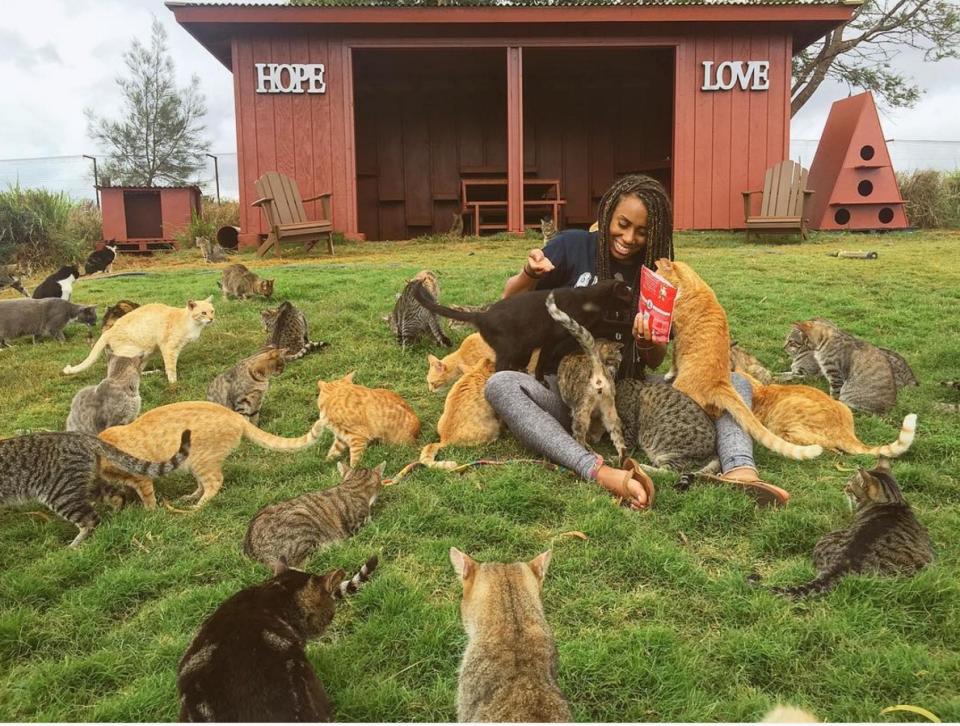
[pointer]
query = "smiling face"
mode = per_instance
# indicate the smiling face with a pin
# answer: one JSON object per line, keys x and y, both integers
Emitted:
{"x": 628, "y": 228}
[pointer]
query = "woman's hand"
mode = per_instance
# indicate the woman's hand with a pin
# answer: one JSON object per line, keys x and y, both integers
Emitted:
{"x": 641, "y": 329}
{"x": 650, "y": 352}
{"x": 538, "y": 264}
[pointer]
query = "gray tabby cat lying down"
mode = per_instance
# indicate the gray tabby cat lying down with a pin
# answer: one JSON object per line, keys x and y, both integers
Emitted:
{"x": 48, "y": 316}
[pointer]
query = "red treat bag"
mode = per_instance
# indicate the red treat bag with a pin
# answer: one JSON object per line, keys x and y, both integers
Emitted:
{"x": 656, "y": 303}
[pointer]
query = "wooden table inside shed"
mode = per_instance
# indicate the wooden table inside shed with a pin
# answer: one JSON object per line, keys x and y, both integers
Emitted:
{"x": 484, "y": 198}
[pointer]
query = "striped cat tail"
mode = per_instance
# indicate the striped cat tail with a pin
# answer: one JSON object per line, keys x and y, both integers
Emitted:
{"x": 580, "y": 333}
{"x": 135, "y": 465}
{"x": 308, "y": 348}
{"x": 281, "y": 443}
{"x": 92, "y": 356}
{"x": 424, "y": 297}
{"x": 428, "y": 457}
{"x": 907, "y": 431}
{"x": 822, "y": 583}
{"x": 348, "y": 587}
{"x": 728, "y": 400}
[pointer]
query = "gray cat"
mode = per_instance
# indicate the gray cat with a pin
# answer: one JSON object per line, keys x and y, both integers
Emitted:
{"x": 287, "y": 329}
{"x": 112, "y": 402}
{"x": 243, "y": 387}
{"x": 47, "y": 316}
{"x": 902, "y": 372}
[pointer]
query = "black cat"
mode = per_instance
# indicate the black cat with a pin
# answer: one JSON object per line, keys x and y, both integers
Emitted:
{"x": 59, "y": 284}
{"x": 100, "y": 260}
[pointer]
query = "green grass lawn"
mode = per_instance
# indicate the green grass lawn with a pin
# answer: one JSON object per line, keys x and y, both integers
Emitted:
{"x": 653, "y": 618}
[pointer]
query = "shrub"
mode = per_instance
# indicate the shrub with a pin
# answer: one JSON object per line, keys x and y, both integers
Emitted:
{"x": 33, "y": 228}
{"x": 85, "y": 224}
{"x": 212, "y": 217}
{"x": 932, "y": 199}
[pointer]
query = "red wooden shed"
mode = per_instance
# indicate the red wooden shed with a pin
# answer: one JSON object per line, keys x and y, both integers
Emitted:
{"x": 147, "y": 218}
{"x": 392, "y": 108}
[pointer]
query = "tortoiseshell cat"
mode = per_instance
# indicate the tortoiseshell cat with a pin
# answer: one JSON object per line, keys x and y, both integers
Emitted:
{"x": 113, "y": 401}
{"x": 115, "y": 312}
{"x": 293, "y": 529}
{"x": 248, "y": 661}
{"x": 240, "y": 282}
{"x": 287, "y": 329}
{"x": 243, "y": 387}
{"x": 409, "y": 320}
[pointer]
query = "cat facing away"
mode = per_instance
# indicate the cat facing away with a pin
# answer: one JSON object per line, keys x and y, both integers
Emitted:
{"x": 58, "y": 470}
{"x": 112, "y": 402}
{"x": 59, "y": 284}
{"x": 286, "y": 328}
{"x": 115, "y": 312}
{"x": 248, "y": 661}
{"x": 292, "y": 530}
{"x": 216, "y": 432}
{"x": 242, "y": 388}
{"x": 240, "y": 282}
{"x": 701, "y": 357}
{"x": 441, "y": 372}
{"x": 39, "y": 318}
{"x": 102, "y": 258}
{"x": 509, "y": 667}
{"x": 358, "y": 415}
{"x": 409, "y": 320}
{"x": 149, "y": 327}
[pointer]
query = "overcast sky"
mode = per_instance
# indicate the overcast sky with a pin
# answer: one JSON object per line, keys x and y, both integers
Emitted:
{"x": 61, "y": 56}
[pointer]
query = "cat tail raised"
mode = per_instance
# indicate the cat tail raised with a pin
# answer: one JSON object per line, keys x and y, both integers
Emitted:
{"x": 428, "y": 457}
{"x": 729, "y": 401}
{"x": 426, "y": 299}
{"x": 822, "y": 583}
{"x": 580, "y": 333}
{"x": 142, "y": 467}
{"x": 281, "y": 443}
{"x": 348, "y": 587}
{"x": 92, "y": 356}
{"x": 907, "y": 431}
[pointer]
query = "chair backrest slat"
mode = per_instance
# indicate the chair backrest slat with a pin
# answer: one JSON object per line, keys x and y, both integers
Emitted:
{"x": 783, "y": 188}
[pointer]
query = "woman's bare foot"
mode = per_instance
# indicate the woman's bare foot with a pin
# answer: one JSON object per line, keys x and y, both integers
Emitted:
{"x": 633, "y": 486}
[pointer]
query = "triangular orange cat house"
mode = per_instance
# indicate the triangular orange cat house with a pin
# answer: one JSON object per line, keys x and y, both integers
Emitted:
{"x": 854, "y": 186}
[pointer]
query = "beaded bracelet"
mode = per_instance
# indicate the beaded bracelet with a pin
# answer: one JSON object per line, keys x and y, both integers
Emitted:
{"x": 529, "y": 272}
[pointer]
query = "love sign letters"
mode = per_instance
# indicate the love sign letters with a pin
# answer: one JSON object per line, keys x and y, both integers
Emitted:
{"x": 749, "y": 75}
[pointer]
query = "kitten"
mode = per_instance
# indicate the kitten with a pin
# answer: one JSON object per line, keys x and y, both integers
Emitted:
{"x": 293, "y": 529}
{"x": 248, "y": 663}
{"x": 885, "y": 536}
{"x": 211, "y": 251}
{"x": 509, "y": 668}
{"x": 548, "y": 229}
{"x": 112, "y": 402}
{"x": 217, "y": 431}
{"x": 9, "y": 280}
{"x": 113, "y": 314}
{"x": 243, "y": 387}
{"x": 287, "y": 329}
{"x": 59, "y": 284}
{"x": 516, "y": 326}
{"x": 467, "y": 419}
{"x": 237, "y": 281}
{"x": 152, "y": 326}
{"x": 742, "y": 360}
{"x": 456, "y": 228}
{"x": 58, "y": 469}
{"x": 48, "y": 316}
{"x": 586, "y": 383}
{"x": 409, "y": 320}
{"x": 471, "y": 351}
{"x": 102, "y": 258}
{"x": 358, "y": 415}
{"x": 701, "y": 356}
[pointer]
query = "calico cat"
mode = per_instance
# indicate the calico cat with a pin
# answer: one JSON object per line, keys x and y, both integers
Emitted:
{"x": 217, "y": 431}
{"x": 358, "y": 415}
{"x": 291, "y": 530}
{"x": 509, "y": 668}
{"x": 59, "y": 284}
{"x": 211, "y": 251}
{"x": 287, "y": 329}
{"x": 114, "y": 313}
{"x": 885, "y": 536}
{"x": 586, "y": 383}
{"x": 742, "y": 360}
{"x": 548, "y": 229}
{"x": 248, "y": 663}
{"x": 409, "y": 320}
{"x": 152, "y": 326}
{"x": 11, "y": 281}
{"x": 467, "y": 418}
{"x": 516, "y": 326}
{"x": 48, "y": 316}
{"x": 243, "y": 387}
{"x": 807, "y": 415}
{"x": 102, "y": 258}
{"x": 239, "y": 282}
{"x": 58, "y": 469}
{"x": 112, "y": 402}
{"x": 456, "y": 228}
{"x": 701, "y": 357}
{"x": 471, "y": 351}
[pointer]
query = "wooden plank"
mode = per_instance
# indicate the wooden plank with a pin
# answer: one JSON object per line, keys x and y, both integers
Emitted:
{"x": 471, "y": 130}
{"x": 444, "y": 161}
{"x": 393, "y": 224}
{"x": 320, "y": 125}
{"x": 494, "y": 131}
{"x": 514, "y": 131}
{"x": 418, "y": 203}
{"x": 756, "y": 122}
{"x": 389, "y": 150}
{"x": 684, "y": 132}
{"x": 739, "y": 172}
{"x": 263, "y": 104}
{"x": 300, "y": 105}
{"x": 702, "y": 190}
{"x": 283, "y": 113}
{"x": 721, "y": 128}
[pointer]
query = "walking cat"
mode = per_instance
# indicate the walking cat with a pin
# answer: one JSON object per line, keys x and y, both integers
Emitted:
{"x": 114, "y": 313}
{"x": 59, "y": 284}
{"x": 467, "y": 418}
{"x": 885, "y": 536}
{"x": 211, "y": 251}
{"x": 112, "y": 402}
{"x": 149, "y": 327}
{"x": 292, "y": 530}
{"x": 217, "y": 431}
{"x": 509, "y": 667}
{"x": 46, "y": 317}
{"x": 247, "y": 662}
{"x": 409, "y": 320}
{"x": 243, "y": 387}
{"x": 742, "y": 360}
{"x": 286, "y": 329}
{"x": 58, "y": 469}
{"x": 358, "y": 415}
{"x": 102, "y": 258}
{"x": 701, "y": 357}
{"x": 239, "y": 282}
{"x": 453, "y": 365}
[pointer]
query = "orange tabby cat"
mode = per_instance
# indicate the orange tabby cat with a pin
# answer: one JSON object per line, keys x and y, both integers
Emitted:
{"x": 149, "y": 327}
{"x": 216, "y": 431}
{"x": 807, "y": 415}
{"x": 473, "y": 349}
{"x": 701, "y": 357}
{"x": 357, "y": 415}
{"x": 467, "y": 417}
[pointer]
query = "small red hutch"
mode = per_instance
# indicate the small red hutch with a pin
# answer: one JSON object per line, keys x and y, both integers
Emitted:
{"x": 147, "y": 218}
{"x": 391, "y": 107}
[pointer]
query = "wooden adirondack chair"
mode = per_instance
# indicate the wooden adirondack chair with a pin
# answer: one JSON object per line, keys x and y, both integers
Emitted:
{"x": 784, "y": 202}
{"x": 280, "y": 200}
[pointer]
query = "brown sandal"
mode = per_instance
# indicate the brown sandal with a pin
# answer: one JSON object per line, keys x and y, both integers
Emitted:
{"x": 636, "y": 473}
{"x": 765, "y": 495}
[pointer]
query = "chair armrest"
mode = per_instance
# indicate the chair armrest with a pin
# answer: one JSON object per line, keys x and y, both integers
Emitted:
{"x": 260, "y": 201}
{"x": 747, "y": 194}
{"x": 315, "y": 197}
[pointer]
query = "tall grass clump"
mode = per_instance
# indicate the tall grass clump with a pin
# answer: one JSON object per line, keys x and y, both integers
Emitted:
{"x": 212, "y": 217}
{"x": 85, "y": 224}
{"x": 33, "y": 228}
{"x": 932, "y": 198}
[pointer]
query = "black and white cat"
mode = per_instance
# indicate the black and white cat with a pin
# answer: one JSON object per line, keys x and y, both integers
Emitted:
{"x": 101, "y": 259}
{"x": 59, "y": 284}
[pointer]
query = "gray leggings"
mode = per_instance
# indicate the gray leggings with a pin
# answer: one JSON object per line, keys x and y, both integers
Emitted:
{"x": 541, "y": 420}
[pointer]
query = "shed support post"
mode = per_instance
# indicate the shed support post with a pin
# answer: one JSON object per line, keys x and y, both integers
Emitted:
{"x": 515, "y": 139}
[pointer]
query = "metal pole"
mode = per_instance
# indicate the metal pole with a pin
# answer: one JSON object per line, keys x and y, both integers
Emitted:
{"x": 216, "y": 175}
{"x": 96, "y": 179}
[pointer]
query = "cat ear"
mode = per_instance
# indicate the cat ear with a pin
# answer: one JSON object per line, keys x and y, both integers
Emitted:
{"x": 343, "y": 468}
{"x": 191, "y": 304}
{"x": 540, "y": 563}
{"x": 433, "y": 361}
{"x": 332, "y": 580}
{"x": 320, "y": 384}
{"x": 349, "y": 377}
{"x": 280, "y": 566}
{"x": 463, "y": 565}
{"x": 208, "y": 299}
{"x": 664, "y": 265}
{"x": 380, "y": 468}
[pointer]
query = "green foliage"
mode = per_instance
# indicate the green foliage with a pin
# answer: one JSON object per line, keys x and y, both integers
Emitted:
{"x": 932, "y": 198}
{"x": 35, "y": 228}
{"x": 85, "y": 223}
{"x": 212, "y": 217}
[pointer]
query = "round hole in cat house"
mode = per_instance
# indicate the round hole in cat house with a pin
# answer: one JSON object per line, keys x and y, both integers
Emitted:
{"x": 842, "y": 215}
{"x": 865, "y": 188}
{"x": 866, "y": 152}
{"x": 885, "y": 215}
{"x": 228, "y": 237}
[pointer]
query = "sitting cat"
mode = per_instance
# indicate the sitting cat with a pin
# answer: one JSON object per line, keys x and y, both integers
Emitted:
{"x": 152, "y": 326}
{"x": 114, "y": 313}
{"x": 239, "y": 282}
{"x": 509, "y": 668}
{"x": 248, "y": 660}
{"x": 456, "y": 227}
{"x": 548, "y": 229}
{"x": 58, "y": 469}
{"x": 112, "y": 402}
{"x": 217, "y": 431}
{"x": 102, "y": 258}
{"x": 409, "y": 320}
{"x": 358, "y": 415}
{"x": 59, "y": 284}
{"x": 293, "y": 529}
{"x": 48, "y": 316}
{"x": 211, "y": 251}
{"x": 287, "y": 329}
{"x": 243, "y": 387}
{"x": 803, "y": 364}
{"x": 471, "y": 351}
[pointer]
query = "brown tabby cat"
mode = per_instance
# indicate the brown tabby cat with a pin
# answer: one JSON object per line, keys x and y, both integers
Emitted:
{"x": 409, "y": 320}
{"x": 701, "y": 355}
{"x": 211, "y": 251}
{"x": 217, "y": 431}
{"x": 243, "y": 387}
{"x": 509, "y": 668}
{"x": 240, "y": 282}
{"x": 358, "y": 415}
{"x": 114, "y": 313}
{"x": 292, "y": 530}
{"x": 467, "y": 419}
{"x": 742, "y": 360}
{"x": 471, "y": 351}
{"x": 149, "y": 327}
